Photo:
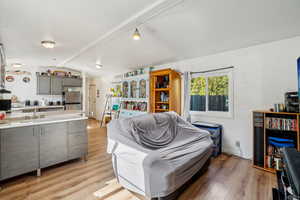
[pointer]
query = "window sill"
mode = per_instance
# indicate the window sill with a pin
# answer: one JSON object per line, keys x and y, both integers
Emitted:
{"x": 227, "y": 115}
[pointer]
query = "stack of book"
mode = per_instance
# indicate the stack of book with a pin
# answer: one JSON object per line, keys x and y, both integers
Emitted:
{"x": 281, "y": 124}
{"x": 274, "y": 151}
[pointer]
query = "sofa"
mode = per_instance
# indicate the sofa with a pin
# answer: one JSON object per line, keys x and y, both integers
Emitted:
{"x": 154, "y": 155}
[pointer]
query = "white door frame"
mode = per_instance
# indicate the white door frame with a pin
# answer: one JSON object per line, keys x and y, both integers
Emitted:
{"x": 92, "y": 101}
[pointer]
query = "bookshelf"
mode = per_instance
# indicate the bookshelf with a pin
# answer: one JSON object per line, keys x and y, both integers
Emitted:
{"x": 165, "y": 91}
{"x": 270, "y": 130}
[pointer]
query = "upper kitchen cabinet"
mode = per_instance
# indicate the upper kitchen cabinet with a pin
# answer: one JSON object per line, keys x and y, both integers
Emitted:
{"x": 73, "y": 82}
{"x": 43, "y": 85}
{"x": 53, "y": 85}
{"x": 56, "y": 85}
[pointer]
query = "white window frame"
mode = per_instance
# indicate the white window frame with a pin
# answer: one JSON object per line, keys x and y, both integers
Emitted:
{"x": 230, "y": 113}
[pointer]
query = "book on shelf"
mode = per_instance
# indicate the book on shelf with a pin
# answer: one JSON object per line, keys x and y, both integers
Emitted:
{"x": 281, "y": 124}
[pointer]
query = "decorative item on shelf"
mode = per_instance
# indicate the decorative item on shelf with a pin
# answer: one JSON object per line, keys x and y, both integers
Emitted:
{"x": 162, "y": 82}
{"x": 125, "y": 89}
{"x": 60, "y": 73}
{"x": 14, "y": 99}
{"x": 134, "y": 73}
{"x": 119, "y": 91}
{"x": 134, "y": 106}
{"x": 164, "y": 97}
{"x": 115, "y": 107}
{"x": 18, "y": 72}
{"x": 26, "y": 79}
{"x": 279, "y": 107}
{"x": 143, "y": 106}
{"x": 141, "y": 71}
{"x": 9, "y": 78}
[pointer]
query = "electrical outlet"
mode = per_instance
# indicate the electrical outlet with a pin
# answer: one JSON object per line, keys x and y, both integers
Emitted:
{"x": 237, "y": 143}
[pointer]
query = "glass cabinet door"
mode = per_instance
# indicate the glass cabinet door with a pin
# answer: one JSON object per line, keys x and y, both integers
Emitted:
{"x": 125, "y": 89}
{"x": 143, "y": 88}
{"x": 133, "y": 89}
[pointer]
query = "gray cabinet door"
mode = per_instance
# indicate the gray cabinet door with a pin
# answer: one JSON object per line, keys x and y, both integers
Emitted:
{"x": 43, "y": 85}
{"x": 77, "y": 139}
{"x": 19, "y": 151}
{"x": 56, "y": 85}
{"x": 73, "y": 82}
{"x": 53, "y": 144}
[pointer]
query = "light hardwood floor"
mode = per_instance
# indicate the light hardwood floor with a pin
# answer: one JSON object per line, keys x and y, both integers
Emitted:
{"x": 228, "y": 177}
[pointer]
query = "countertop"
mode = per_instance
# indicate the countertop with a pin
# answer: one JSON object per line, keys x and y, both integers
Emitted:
{"x": 36, "y": 107}
{"x": 46, "y": 118}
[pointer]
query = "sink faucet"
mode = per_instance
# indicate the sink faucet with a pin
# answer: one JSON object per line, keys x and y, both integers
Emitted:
{"x": 34, "y": 113}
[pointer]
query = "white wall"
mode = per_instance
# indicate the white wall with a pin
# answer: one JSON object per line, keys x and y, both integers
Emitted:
{"x": 262, "y": 75}
{"x": 27, "y": 91}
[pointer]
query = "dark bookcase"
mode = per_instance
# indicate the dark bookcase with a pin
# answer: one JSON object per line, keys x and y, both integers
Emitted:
{"x": 268, "y": 124}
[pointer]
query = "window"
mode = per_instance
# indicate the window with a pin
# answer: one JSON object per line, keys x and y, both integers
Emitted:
{"x": 211, "y": 93}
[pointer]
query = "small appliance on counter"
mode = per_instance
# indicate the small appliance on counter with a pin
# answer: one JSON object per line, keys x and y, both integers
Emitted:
{"x": 5, "y": 105}
{"x": 5, "y": 95}
{"x": 27, "y": 103}
{"x": 36, "y": 103}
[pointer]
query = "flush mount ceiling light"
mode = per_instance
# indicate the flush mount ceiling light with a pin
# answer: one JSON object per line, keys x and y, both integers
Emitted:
{"x": 16, "y": 65}
{"x": 48, "y": 44}
{"x": 136, "y": 35}
{"x": 99, "y": 66}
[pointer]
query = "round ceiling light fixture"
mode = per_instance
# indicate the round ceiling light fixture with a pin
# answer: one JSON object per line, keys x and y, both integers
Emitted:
{"x": 16, "y": 65}
{"x": 48, "y": 44}
{"x": 136, "y": 35}
{"x": 99, "y": 66}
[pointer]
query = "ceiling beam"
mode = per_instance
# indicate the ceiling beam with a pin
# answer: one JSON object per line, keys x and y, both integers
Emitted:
{"x": 137, "y": 19}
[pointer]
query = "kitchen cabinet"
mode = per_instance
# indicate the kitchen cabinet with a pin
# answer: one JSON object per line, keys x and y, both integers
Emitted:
{"x": 30, "y": 148}
{"x": 53, "y": 144}
{"x": 56, "y": 85}
{"x": 77, "y": 139}
{"x": 53, "y": 85}
{"x": 72, "y": 82}
{"x": 43, "y": 85}
{"x": 19, "y": 151}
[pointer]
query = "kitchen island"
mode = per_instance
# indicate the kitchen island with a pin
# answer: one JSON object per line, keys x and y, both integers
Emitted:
{"x": 32, "y": 142}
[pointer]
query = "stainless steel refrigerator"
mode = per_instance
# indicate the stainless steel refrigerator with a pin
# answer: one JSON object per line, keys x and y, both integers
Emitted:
{"x": 72, "y": 98}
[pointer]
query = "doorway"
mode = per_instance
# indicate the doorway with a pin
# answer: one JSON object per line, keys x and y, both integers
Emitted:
{"x": 92, "y": 101}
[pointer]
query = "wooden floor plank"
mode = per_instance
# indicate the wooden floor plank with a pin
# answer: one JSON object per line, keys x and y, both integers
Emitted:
{"x": 228, "y": 177}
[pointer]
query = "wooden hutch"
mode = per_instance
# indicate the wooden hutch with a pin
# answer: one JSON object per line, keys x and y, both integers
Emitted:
{"x": 266, "y": 125}
{"x": 165, "y": 91}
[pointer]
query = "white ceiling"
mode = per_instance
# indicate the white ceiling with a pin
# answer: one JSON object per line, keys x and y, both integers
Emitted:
{"x": 86, "y": 31}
